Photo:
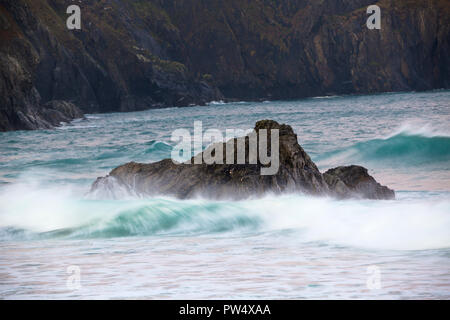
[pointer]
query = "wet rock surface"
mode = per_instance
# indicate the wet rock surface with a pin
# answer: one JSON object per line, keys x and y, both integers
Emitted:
{"x": 296, "y": 173}
{"x": 355, "y": 181}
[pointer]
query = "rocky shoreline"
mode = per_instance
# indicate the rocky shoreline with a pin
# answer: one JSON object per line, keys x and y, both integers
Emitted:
{"x": 136, "y": 55}
{"x": 297, "y": 173}
{"x": 47, "y": 116}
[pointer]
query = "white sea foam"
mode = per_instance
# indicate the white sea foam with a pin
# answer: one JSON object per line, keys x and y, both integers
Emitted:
{"x": 404, "y": 225}
{"x": 401, "y": 224}
{"x": 290, "y": 247}
{"x": 220, "y": 102}
{"x": 418, "y": 128}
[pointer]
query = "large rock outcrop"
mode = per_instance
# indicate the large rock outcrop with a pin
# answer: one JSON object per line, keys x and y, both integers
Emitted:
{"x": 296, "y": 173}
{"x": 114, "y": 63}
{"x": 46, "y": 116}
{"x": 138, "y": 54}
{"x": 21, "y": 104}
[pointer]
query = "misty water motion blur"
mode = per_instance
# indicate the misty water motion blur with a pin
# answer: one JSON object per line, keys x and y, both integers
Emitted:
{"x": 294, "y": 246}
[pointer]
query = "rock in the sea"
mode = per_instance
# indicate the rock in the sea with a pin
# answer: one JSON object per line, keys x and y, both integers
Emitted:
{"x": 57, "y": 111}
{"x": 296, "y": 173}
{"x": 355, "y": 181}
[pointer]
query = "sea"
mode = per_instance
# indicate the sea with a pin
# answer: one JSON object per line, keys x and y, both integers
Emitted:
{"x": 60, "y": 241}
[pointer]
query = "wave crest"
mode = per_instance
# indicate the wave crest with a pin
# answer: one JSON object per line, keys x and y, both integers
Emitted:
{"x": 405, "y": 224}
{"x": 404, "y": 149}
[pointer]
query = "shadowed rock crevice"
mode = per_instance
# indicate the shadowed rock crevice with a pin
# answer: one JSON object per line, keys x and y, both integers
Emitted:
{"x": 139, "y": 54}
{"x": 297, "y": 173}
{"x": 355, "y": 181}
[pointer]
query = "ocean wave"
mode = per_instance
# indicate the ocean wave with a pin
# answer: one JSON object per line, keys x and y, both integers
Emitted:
{"x": 158, "y": 146}
{"x": 416, "y": 129}
{"x": 220, "y": 102}
{"x": 326, "y": 97}
{"x": 70, "y": 126}
{"x": 143, "y": 217}
{"x": 403, "y": 148}
{"x": 33, "y": 212}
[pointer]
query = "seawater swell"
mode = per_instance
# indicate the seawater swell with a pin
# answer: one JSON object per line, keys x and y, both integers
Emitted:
{"x": 36, "y": 213}
{"x": 163, "y": 217}
{"x": 404, "y": 149}
{"x": 401, "y": 149}
{"x": 132, "y": 217}
{"x": 158, "y": 146}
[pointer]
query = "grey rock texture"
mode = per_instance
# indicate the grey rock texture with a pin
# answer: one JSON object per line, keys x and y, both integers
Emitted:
{"x": 354, "y": 181}
{"x": 297, "y": 173}
{"x": 137, "y": 54}
{"x": 113, "y": 63}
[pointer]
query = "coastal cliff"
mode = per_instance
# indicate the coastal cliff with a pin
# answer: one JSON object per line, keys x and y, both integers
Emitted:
{"x": 133, "y": 54}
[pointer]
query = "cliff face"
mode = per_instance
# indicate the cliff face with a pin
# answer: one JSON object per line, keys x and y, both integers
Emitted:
{"x": 293, "y": 48}
{"x": 137, "y": 54}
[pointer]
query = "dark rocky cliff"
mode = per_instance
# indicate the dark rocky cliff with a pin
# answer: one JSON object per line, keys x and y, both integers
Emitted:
{"x": 138, "y": 54}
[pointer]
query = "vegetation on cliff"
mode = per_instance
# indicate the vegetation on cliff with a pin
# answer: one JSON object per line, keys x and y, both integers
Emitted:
{"x": 137, "y": 54}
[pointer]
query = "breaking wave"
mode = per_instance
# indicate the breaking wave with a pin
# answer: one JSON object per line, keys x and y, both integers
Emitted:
{"x": 28, "y": 213}
{"x": 403, "y": 148}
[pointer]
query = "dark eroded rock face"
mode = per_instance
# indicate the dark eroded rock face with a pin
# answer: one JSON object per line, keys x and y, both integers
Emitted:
{"x": 114, "y": 63}
{"x": 296, "y": 174}
{"x": 46, "y": 116}
{"x": 354, "y": 181}
{"x": 57, "y": 111}
{"x": 21, "y": 104}
{"x": 137, "y": 54}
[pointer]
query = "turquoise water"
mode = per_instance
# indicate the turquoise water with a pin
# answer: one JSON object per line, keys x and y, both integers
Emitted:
{"x": 277, "y": 247}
